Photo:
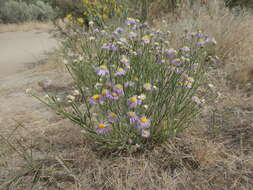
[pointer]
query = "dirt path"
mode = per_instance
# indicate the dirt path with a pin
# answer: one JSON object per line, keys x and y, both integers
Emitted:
{"x": 19, "y": 48}
{"x": 16, "y": 50}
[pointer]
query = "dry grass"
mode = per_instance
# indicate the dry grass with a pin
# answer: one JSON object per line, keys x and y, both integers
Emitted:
{"x": 61, "y": 160}
{"x": 25, "y": 27}
{"x": 215, "y": 154}
{"x": 233, "y": 32}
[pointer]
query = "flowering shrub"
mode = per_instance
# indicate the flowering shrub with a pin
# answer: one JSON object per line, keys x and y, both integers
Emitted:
{"x": 133, "y": 88}
{"x": 96, "y": 10}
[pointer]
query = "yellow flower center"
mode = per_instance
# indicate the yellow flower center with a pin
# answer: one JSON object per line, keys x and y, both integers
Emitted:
{"x": 69, "y": 16}
{"x": 80, "y": 20}
{"x": 132, "y": 114}
{"x": 147, "y": 85}
{"x": 101, "y": 126}
{"x": 120, "y": 69}
{"x": 124, "y": 60}
{"x": 103, "y": 67}
{"x": 119, "y": 86}
{"x": 104, "y": 91}
{"x": 144, "y": 119}
{"x": 133, "y": 99}
{"x": 187, "y": 83}
{"x": 190, "y": 79}
{"x": 96, "y": 97}
{"x": 130, "y": 19}
{"x": 147, "y": 37}
{"x": 114, "y": 94}
{"x": 113, "y": 115}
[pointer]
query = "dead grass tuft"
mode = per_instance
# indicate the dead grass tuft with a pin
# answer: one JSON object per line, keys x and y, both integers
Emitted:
{"x": 233, "y": 31}
{"x": 191, "y": 161}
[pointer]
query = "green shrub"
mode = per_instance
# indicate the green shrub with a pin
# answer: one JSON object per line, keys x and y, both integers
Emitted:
{"x": 41, "y": 11}
{"x": 15, "y": 12}
{"x": 132, "y": 87}
{"x": 19, "y": 12}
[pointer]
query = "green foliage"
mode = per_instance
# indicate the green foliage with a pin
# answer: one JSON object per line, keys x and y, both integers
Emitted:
{"x": 240, "y": 3}
{"x": 18, "y": 12}
{"x": 15, "y": 12}
{"x": 132, "y": 87}
{"x": 83, "y": 11}
{"x": 41, "y": 11}
{"x": 65, "y": 7}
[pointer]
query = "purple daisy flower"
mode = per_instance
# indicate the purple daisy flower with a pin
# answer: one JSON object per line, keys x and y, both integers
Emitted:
{"x": 171, "y": 52}
{"x": 201, "y": 42}
{"x": 103, "y": 32}
{"x": 123, "y": 40}
{"x": 118, "y": 30}
{"x": 96, "y": 99}
{"x": 48, "y": 83}
{"x": 139, "y": 52}
{"x": 120, "y": 71}
{"x": 102, "y": 70}
{"x": 140, "y": 26}
{"x": 125, "y": 61}
{"x": 102, "y": 128}
{"x": 144, "y": 25}
{"x": 133, "y": 118}
{"x": 143, "y": 123}
{"x": 96, "y": 30}
{"x": 157, "y": 33}
{"x": 147, "y": 86}
{"x": 130, "y": 21}
{"x": 136, "y": 27}
{"x": 113, "y": 96}
{"x": 176, "y": 62}
{"x": 199, "y": 34}
{"x": 112, "y": 117}
{"x": 145, "y": 133}
{"x": 185, "y": 49}
{"x": 118, "y": 88}
{"x": 134, "y": 102}
{"x": 190, "y": 79}
{"x": 105, "y": 93}
{"x": 146, "y": 38}
{"x": 132, "y": 35}
{"x": 188, "y": 84}
{"x": 111, "y": 47}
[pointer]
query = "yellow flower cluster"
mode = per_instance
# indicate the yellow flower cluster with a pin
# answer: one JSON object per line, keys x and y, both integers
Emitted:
{"x": 97, "y": 10}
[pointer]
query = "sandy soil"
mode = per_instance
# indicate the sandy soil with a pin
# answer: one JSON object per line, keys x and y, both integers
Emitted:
{"x": 19, "y": 48}
{"x": 17, "y": 51}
